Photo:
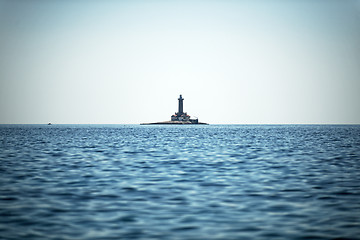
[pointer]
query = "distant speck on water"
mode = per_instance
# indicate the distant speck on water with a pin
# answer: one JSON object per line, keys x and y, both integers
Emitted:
{"x": 180, "y": 182}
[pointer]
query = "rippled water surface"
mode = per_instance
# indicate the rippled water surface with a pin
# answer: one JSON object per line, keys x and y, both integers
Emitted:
{"x": 179, "y": 182}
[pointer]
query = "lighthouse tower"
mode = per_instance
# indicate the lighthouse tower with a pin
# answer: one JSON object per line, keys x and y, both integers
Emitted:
{"x": 180, "y": 105}
{"x": 180, "y": 115}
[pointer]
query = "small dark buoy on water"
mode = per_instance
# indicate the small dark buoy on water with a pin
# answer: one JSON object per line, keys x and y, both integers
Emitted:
{"x": 179, "y": 117}
{"x": 49, "y": 123}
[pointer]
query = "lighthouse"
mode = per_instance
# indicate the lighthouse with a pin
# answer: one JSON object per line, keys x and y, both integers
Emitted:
{"x": 180, "y": 117}
{"x": 180, "y": 104}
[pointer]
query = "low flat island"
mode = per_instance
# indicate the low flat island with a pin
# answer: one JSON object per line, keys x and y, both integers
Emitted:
{"x": 179, "y": 117}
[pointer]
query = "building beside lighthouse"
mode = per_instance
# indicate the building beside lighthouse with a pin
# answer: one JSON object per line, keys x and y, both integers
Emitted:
{"x": 180, "y": 117}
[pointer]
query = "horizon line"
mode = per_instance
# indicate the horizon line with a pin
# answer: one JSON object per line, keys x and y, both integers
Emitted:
{"x": 209, "y": 124}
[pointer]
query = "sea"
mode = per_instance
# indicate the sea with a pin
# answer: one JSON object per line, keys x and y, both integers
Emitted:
{"x": 179, "y": 182}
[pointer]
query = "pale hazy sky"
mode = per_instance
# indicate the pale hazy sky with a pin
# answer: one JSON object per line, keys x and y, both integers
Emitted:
{"x": 271, "y": 61}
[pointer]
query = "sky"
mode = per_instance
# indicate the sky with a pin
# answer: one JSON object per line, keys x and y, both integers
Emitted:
{"x": 127, "y": 62}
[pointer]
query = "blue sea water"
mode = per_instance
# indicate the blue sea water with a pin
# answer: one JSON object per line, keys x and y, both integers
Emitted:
{"x": 179, "y": 182}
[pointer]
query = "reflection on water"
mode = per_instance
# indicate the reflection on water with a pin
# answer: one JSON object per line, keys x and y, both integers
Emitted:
{"x": 179, "y": 182}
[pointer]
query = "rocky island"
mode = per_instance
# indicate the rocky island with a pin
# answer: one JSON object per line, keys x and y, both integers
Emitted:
{"x": 179, "y": 117}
